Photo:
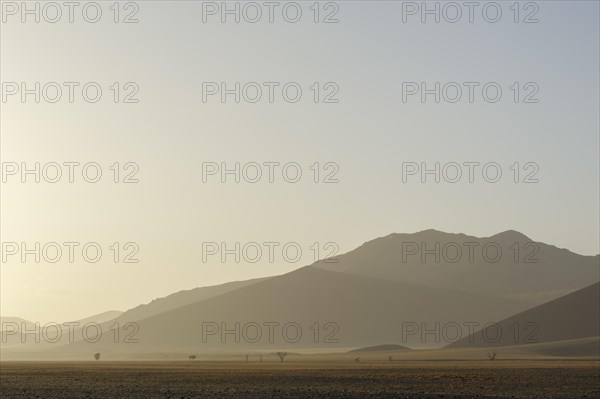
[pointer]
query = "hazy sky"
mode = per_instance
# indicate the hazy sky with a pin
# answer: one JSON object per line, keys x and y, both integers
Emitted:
{"x": 368, "y": 134}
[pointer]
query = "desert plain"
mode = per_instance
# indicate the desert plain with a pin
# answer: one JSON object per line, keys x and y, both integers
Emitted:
{"x": 313, "y": 376}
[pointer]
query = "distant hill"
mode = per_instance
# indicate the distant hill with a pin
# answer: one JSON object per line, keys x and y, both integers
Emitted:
{"x": 109, "y": 318}
{"x": 4, "y": 321}
{"x": 382, "y": 348}
{"x": 100, "y": 317}
{"x": 12, "y": 328}
{"x": 473, "y": 269}
{"x": 573, "y": 316}
{"x": 368, "y": 297}
{"x": 183, "y": 298}
{"x": 350, "y": 311}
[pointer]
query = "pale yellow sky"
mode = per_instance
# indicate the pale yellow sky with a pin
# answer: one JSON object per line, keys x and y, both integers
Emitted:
{"x": 368, "y": 134}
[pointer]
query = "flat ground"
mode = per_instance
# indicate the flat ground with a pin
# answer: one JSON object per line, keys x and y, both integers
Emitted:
{"x": 404, "y": 379}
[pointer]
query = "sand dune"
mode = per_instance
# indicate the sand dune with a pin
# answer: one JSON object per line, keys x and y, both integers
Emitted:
{"x": 381, "y": 348}
{"x": 573, "y": 316}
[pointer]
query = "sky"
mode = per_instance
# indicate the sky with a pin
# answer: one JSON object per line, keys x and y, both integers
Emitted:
{"x": 362, "y": 133}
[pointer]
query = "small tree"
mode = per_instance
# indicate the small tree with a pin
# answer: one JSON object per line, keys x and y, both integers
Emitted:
{"x": 357, "y": 359}
{"x": 492, "y": 355}
{"x": 97, "y": 356}
{"x": 192, "y": 357}
{"x": 281, "y": 355}
{"x": 390, "y": 358}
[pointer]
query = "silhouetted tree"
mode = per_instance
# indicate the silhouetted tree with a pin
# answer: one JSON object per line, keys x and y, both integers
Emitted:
{"x": 390, "y": 358}
{"x": 357, "y": 359}
{"x": 192, "y": 357}
{"x": 492, "y": 355}
{"x": 281, "y": 355}
{"x": 97, "y": 356}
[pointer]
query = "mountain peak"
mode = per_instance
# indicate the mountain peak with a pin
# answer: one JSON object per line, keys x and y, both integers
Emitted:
{"x": 511, "y": 235}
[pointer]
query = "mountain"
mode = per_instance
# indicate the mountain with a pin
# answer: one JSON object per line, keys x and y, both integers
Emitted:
{"x": 14, "y": 339}
{"x": 385, "y": 291}
{"x": 571, "y": 317}
{"x": 182, "y": 298}
{"x": 100, "y": 318}
{"x": 507, "y": 265}
{"x": 313, "y": 308}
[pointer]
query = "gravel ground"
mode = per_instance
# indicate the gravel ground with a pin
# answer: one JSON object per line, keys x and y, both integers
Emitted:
{"x": 261, "y": 380}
